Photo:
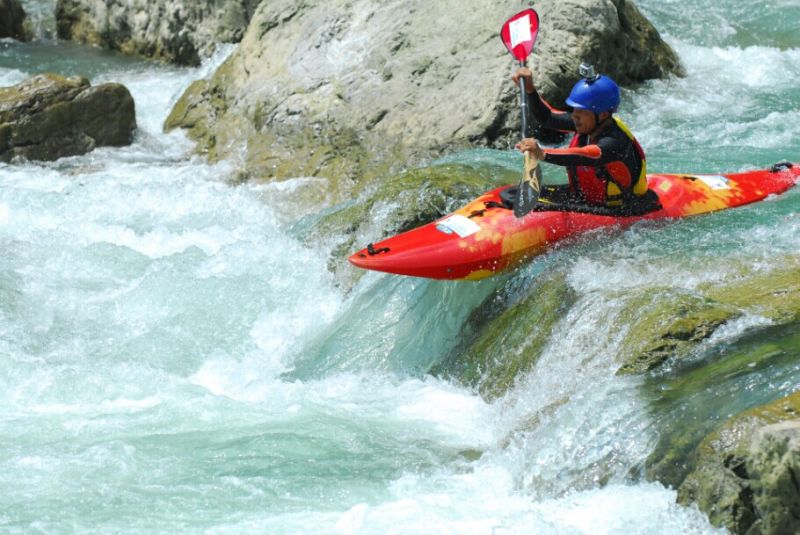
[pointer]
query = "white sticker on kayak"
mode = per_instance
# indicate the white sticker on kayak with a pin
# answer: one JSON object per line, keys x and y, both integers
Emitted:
{"x": 715, "y": 181}
{"x": 459, "y": 224}
{"x": 520, "y": 30}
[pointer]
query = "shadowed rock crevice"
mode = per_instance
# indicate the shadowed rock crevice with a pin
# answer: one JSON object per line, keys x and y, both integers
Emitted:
{"x": 13, "y": 21}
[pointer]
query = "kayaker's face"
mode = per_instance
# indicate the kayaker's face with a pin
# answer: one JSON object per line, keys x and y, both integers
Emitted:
{"x": 585, "y": 121}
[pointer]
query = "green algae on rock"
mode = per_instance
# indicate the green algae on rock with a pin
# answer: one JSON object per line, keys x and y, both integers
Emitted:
{"x": 772, "y": 293}
{"x": 687, "y": 401}
{"x": 667, "y": 324}
{"x": 507, "y": 346}
{"x": 745, "y": 474}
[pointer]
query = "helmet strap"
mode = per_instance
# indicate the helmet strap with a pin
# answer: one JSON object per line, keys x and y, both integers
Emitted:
{"x": 599, "y": 124}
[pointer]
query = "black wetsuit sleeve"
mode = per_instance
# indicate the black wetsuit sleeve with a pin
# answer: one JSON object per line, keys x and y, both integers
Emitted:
{"x": 549, "y": 117}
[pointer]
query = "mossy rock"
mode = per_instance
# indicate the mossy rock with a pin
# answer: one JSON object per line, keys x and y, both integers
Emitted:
{"x": 687, "y": 401}
{"x": 729, "y": 482}
{"x": 508, "y": 345}
{"x": 667, "y": 323}
{"x": 774, "y": 294}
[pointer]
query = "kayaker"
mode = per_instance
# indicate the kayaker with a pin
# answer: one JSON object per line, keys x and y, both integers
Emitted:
{"x": 605, "y": 163}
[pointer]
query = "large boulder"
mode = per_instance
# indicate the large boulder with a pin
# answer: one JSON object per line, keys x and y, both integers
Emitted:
{"x": 745, "y": 477}
{"x": 12, "y": 20}
{"x": 181, "y": 31}
{"x": 50, "y": 116}
{"x": 332, "y": 89}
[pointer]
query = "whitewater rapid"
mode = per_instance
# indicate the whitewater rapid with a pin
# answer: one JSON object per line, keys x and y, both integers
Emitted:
{"x": 176, "y": 358}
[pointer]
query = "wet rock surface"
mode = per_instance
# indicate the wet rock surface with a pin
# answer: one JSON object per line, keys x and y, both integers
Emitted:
{"x": 746, "y": 473}
{"x": 49, "y": 116}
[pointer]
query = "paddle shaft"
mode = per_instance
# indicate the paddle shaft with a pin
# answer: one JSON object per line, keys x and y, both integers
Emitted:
{"x": 523, "y": 104}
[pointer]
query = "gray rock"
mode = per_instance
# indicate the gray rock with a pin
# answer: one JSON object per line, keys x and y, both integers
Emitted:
{"x": 50, "y": 116}
{"x": 745, "y": 475}
{"x": 397, "y": 83}
{"x": 774, "y": 465}
{"x": 12, "y": 20}
{"x": 176, "y": 31}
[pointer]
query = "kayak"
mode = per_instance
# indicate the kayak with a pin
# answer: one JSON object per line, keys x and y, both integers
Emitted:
{"x": 484, "y": 237}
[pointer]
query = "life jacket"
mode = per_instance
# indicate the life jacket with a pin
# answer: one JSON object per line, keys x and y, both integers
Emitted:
{"x": 609, "y": 184}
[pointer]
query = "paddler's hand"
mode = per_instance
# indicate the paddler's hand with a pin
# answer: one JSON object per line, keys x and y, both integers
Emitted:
{"x": 529, "y": 144}
{"x": 525, "y": 74}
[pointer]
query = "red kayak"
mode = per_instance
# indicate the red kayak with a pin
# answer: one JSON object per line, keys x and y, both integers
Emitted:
{"x": 484, "y": 237}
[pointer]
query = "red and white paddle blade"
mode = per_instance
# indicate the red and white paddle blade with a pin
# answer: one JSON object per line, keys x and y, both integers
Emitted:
{"x": 519, "y": 33}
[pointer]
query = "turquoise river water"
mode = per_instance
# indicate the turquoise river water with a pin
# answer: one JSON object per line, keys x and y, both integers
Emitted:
{"x": 150, "y": 312}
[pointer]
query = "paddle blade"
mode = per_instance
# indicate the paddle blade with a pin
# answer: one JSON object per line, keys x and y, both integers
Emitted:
{"x": 529, "y": 187}
{"x": 519, "y": 33}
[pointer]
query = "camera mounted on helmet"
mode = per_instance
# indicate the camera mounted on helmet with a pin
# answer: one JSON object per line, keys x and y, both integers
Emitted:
{"x": 587, "y": 72}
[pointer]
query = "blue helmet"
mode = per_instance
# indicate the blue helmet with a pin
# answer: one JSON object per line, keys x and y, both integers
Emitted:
{"x": 594, "y": 93}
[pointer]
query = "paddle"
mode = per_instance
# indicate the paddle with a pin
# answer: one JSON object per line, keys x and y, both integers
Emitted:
{"x": 519, "y": 34}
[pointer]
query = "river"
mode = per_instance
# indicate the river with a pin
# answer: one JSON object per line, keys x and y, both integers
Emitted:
{"x": 152, "y": 314}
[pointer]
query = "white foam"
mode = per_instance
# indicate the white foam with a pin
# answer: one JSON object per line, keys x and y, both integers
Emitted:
{"x": 722, "y": 88}
{"x": 102, "y": 407}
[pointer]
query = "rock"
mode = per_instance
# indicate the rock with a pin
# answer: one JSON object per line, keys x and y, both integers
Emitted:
{"x": 745, "y": 473}
{"x": 774, "y": 293}
{"x": 669, "y": 324}
{"x": 774, "y": 465}
{"x": 12, "y": 20}
{"x": 687, "y": 399}
{"x": 500, "y": 351}
{"x": 369, "y": 87}
{"x": 181, "y": 31}
{"x": 50, "y": 116}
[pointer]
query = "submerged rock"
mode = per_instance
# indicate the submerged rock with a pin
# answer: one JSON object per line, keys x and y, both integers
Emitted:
{"x": 773, "y": 294}
{"x": 177, "y": 31}
{"x": 348, "y": 90}
{"x": 669, "y": 324}
{"x": 50, "y": 116}
{"x": 687, "y": 400}
{"x": 12, "y": 20}
{"x": 505, "y": 347}
{"x": 664, "y": 324}
{"x": 745, "y": 477}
